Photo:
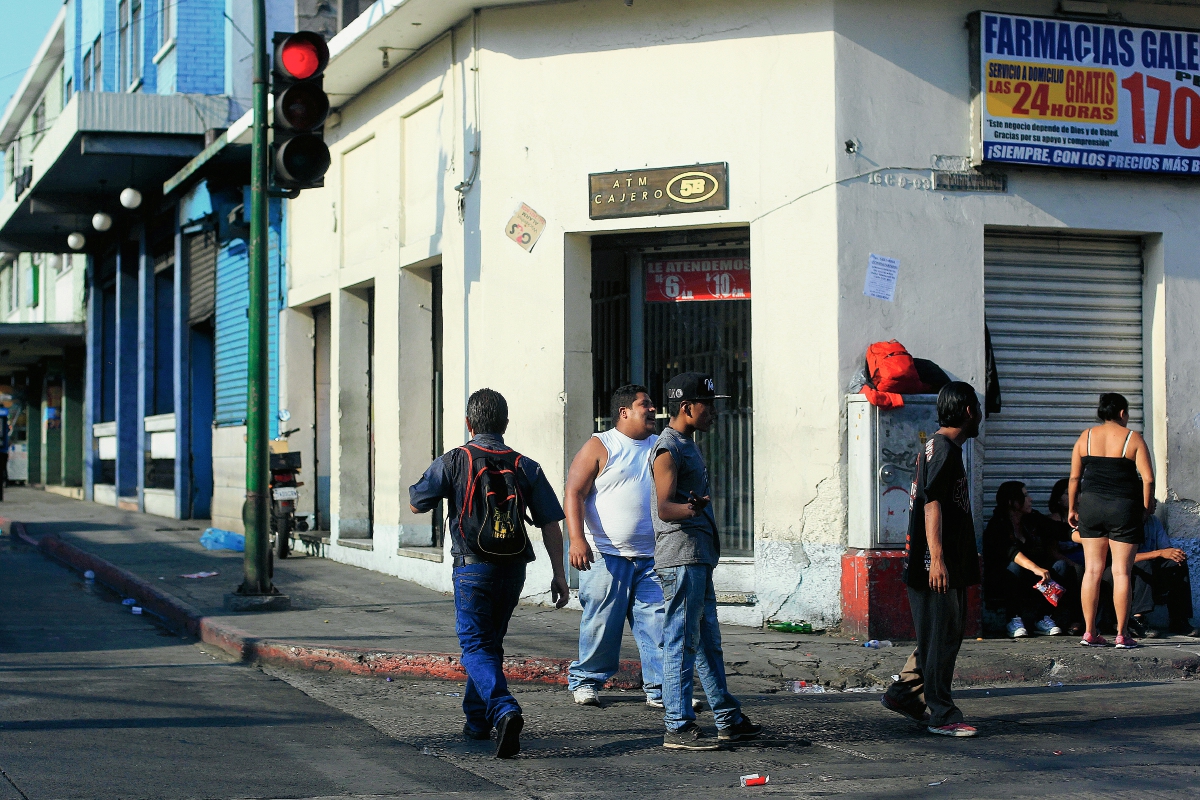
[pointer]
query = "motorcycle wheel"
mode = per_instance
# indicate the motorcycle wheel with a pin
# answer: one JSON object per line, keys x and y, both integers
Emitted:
{"x": 283, "y": 536}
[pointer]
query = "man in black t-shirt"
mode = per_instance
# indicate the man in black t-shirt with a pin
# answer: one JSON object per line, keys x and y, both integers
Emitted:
{"x": 940, "y": 562}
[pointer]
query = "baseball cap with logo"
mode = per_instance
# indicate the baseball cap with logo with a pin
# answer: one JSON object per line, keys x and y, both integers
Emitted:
{"x": 692, "y": 386}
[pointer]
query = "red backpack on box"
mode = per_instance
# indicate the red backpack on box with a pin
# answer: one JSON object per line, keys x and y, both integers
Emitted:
{"x": 892, "y": 373}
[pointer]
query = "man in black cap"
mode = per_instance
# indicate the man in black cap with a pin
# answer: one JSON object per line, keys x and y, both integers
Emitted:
{"x": 686, "y": 549}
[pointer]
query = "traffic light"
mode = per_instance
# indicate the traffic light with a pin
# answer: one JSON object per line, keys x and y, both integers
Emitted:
{"x": 299, "y": 156}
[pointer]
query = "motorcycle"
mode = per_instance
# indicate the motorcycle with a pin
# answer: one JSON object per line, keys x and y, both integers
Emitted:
{"x": 285, "y": 490}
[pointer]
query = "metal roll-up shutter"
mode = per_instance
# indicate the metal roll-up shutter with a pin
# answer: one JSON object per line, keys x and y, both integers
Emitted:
{"x": 232, "y": 328}
{"x": 1065, "y": 316}
{"x": 201, "y": 250}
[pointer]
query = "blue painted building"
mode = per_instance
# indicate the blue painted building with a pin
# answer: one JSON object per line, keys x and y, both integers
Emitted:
{"x": 123, "y": 95}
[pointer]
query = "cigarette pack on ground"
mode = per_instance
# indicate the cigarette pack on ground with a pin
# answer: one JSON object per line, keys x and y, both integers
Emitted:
{"x": 755, "y": 780}
{"x": 1053, "y": 591}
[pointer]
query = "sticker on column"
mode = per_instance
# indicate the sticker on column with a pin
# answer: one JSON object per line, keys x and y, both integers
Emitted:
{"x": 525, "y": 227}
{"x": 881, "y": 277}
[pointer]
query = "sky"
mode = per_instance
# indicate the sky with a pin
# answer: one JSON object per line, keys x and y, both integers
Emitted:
{"x": 25, "y": 25}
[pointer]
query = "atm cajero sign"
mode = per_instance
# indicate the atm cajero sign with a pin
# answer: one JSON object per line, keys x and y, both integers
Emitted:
{"x": 663, "y": 190}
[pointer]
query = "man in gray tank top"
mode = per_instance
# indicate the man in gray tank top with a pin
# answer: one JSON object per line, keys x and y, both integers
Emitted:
{"x": 686, "y": 550}
{"x": 607, "y": 497}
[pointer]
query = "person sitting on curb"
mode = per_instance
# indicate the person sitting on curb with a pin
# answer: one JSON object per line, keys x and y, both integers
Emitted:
{"x": 1016, "y": 557}
{"x": 1160, "y": 573}
{"x": 608, "y": 495}
{"x": 686, "y": 549}
{"x": 488, "y": 490}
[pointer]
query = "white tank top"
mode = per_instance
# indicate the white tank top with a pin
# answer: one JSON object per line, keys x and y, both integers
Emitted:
{"x": 616, "y": 517}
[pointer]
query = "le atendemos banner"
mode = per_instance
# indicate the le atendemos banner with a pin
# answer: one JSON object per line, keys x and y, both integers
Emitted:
{"x": 1062, "y": 93}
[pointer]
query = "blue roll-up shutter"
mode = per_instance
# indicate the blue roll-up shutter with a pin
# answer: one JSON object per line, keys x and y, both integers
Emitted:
{"x": 232, "y": 326}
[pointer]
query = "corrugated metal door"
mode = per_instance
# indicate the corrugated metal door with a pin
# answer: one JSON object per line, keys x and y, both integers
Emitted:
{"x": 201, "y": 250}
{"x": 1065, "y": 316}
{"x": 232, "y": 303}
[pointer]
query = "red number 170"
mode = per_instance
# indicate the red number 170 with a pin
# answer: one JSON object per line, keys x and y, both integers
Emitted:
{"x": 1186, "y": 109}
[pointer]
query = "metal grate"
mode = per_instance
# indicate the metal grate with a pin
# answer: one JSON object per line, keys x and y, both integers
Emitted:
{"x": 1065, "y": 316}
{"x": 712, "y": 337}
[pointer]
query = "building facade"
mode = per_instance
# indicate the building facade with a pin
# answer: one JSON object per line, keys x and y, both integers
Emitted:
{"x": 125, "y": 369}
{"x": 507, "y": 208}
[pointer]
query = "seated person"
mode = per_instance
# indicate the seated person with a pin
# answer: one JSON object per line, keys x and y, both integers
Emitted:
{"x": 1016, "y": 557}
{"x": 1054, "y": 527}
{"x": 1160, "y": 574}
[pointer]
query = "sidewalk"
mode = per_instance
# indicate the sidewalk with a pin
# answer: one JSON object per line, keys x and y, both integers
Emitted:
{"x": 346, "y": 619}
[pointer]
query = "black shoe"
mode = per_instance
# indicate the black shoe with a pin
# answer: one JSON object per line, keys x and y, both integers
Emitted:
{"x": 478, "y": 734}
{"x": 690, "y": 737}
{"x": 744, "y": 729}
{"x": 892, "y": 705}
{"x": 508, "y": 735}
{"x": 1137, "y": 627}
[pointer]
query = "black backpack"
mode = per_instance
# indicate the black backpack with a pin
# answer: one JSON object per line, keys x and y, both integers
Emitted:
{"x": 492, "y": 514}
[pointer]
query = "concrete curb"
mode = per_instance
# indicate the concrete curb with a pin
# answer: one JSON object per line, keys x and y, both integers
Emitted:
{"x": 290, "y": 655}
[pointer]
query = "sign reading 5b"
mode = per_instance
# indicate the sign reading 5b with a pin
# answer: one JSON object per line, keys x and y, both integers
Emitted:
{"x": 664, "y": 190}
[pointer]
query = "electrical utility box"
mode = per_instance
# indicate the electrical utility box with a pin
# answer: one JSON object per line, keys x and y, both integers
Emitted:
{"x": 882, "y": 452}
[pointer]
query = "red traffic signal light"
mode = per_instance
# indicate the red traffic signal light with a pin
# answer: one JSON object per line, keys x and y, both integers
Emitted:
{"x": 300, "y": 157}
{"x": 300, "y": 56}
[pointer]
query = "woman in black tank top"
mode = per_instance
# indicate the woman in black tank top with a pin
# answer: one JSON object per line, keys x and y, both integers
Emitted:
{"x": 1111, "y": 490}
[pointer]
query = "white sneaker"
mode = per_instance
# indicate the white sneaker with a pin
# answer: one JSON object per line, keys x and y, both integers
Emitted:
{"x": 657, "y": 702}
{"x": 1046, "y": 627}
{"x": 586, "y": 695}
{"x": 1016, "y": 629}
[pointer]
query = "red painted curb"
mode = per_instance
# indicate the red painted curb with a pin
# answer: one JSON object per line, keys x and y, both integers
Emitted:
{"x": 246, "y": 647}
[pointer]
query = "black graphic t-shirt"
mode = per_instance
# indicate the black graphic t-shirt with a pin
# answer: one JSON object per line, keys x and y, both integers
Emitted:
{"x": 941, "y": 477}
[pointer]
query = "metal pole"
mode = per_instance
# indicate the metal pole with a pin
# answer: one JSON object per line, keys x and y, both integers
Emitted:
{"x": 255, "y": 512}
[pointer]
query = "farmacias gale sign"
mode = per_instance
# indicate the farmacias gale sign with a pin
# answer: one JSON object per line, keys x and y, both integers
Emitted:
{"x": 1086, "y": 95}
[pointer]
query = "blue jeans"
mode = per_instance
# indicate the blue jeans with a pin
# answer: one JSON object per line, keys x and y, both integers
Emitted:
{"x": 485, "y": 596}
{"x": 614, "y": 590}
{"x": 692, "y": 641}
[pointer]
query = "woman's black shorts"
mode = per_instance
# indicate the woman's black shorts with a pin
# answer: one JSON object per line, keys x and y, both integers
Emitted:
{"x": 1119, "y": 519}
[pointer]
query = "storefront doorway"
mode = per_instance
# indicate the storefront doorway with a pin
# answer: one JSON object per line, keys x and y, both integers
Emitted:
{"x": 1065, "y": 316}
{"x": 665, "y": 304}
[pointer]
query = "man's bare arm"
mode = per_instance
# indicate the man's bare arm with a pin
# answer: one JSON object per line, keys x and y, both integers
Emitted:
{"x": 939, "y": 579}
{"x": 666, "y": 476}
{"x": 588, "y": 463}
{"x": 552, "y": 538}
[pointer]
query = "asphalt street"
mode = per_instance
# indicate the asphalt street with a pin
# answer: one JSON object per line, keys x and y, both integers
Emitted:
{"x": 98, "y": 703}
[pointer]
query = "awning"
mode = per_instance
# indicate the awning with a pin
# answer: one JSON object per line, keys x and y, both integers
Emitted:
{"x": 101, "y": 143}
{"x": 25, "y": 343}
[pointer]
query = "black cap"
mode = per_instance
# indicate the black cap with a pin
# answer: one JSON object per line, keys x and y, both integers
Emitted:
{"x": 692, "y": 386}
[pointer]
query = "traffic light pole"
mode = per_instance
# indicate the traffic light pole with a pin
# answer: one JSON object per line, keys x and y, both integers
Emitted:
{"x": 256, "y": 591}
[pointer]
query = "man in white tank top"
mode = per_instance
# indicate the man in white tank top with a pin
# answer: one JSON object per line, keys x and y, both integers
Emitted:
{"x": 612, "y": 545}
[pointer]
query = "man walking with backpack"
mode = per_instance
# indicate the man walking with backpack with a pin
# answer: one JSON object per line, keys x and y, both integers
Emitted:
{"x": 686, "y": 550}
{"x": 612, "y": 545}
{"x": 489, "y": 489}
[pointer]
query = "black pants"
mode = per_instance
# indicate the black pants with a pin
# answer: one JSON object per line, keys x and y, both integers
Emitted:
{"x": 1024, "y": 601}
{"x": 1161, "y": 580}
{"x": 940, "y": 620}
